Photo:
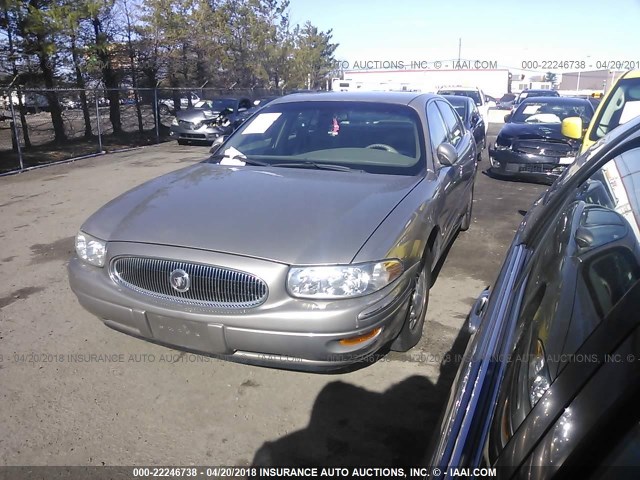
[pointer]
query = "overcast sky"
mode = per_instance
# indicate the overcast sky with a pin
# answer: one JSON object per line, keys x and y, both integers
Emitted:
{"x": 507, "y": 31}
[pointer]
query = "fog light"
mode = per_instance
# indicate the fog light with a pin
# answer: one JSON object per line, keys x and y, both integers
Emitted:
{"x": 494, "y": 163}
{"x": 351, "y": 341}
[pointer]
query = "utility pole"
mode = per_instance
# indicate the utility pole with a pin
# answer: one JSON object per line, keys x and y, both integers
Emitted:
{"x": 459, "y": 49}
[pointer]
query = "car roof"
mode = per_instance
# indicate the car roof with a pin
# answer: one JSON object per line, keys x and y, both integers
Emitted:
{"x": 399, "y": 98}
{"x": 556, "y": 100}
{"x": 460, "y": 89}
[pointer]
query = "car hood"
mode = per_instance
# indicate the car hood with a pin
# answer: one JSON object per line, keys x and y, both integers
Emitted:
{"x": 293, "y": 216}
{"x": 550, "y": 131}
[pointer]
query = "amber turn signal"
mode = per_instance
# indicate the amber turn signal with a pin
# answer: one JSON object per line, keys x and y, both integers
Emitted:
{"x": 348, "y": 342}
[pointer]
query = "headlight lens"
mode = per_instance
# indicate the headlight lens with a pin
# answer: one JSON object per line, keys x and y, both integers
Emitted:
{"x": 174, "y": 122}
{"x": 91, "y": 249}
{"x": 502, "y": 143}
{"x": 539, "y": 378}
{"x": 342, "y": 281}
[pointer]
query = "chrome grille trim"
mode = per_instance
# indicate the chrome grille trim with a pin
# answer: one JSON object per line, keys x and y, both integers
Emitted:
{"x": 211, "y": 286}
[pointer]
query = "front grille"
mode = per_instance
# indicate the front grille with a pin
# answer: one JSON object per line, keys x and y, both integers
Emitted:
{"x": 211, "y": 286}
{"x": 544, "y": 147}
{"x": 537, "y": 167}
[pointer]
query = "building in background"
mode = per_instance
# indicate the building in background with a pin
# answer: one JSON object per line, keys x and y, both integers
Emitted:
{"x": 494, "y": 82}
{"x": 587, "y": 82}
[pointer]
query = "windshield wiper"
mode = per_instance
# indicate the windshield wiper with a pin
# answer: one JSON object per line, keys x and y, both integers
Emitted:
{"x": 319, "y": 166}
{"x": 220, "y": 156}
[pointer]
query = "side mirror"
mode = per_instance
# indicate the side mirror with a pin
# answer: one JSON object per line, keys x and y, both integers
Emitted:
{"x": 507, "y": 118}
{"x": 217, "y": 143}
{"x": 572, "y": 127}
{"x": 475, "y": 119}
{"x": 447, "y": 154}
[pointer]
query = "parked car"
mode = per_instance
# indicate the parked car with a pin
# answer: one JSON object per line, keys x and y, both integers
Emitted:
{"x": 550, "y": 381}
{"x": 70, "y": 104}
{"x": 209, "y": 119}
{"x": 167, "y": 107}
{"x": 620, "y": 104}
{"x": 531, "y": 145}
{"x": 478, "y": 97}
{"x": 532, "y": 92}
{"x": 471, "y": 118}
{"x": 506, "y": 101}
{"x": 308, "y": 241}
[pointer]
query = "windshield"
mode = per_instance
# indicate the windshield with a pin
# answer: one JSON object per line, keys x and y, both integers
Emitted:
{"x": 472, "y": 94}
{"x": 550, "y": 93}
{"x": 534, "y": 111}
{"x": 373, "y": 137}
{"x": 620, "y": 106}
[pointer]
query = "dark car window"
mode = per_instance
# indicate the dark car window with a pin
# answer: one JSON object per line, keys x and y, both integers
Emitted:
{"x": 585, "y": 262}
{"x": 537, "y": 93}
{"x": 541, "y": 111}
{"x": 437, "y": 128}
{"x": 374, "y": 137}
{"x": 472, "y": 94}
{"x": 460, "y": 105}
{"x": 456, "y": 130}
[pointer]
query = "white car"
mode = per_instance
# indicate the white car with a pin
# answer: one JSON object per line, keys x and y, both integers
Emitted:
{"x": 166, "y": 107}
{"x": 478, "y": 97}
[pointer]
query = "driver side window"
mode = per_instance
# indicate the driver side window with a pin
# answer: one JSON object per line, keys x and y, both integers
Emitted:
{"x": 437, "y": 129}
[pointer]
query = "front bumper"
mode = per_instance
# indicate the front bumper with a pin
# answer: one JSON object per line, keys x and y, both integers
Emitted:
{"x": 283, "y": 332}
{"x": 203, "y": 134}
{"x": 509, "y": 163}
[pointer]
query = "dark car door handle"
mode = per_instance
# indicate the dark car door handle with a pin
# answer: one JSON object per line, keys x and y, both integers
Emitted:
{"x": 477, "y": 311}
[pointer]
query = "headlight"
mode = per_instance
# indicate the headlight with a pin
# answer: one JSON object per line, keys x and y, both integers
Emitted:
{"x": 502, "y": 143}
{"x": 91, "y": 249}
{"x": 342, "y": 281}
{"x": 174, "y": 122}
{"x": 539, "y": 378}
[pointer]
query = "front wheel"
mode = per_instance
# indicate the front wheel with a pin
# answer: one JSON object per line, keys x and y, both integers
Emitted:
{"x": 411, "y": 332}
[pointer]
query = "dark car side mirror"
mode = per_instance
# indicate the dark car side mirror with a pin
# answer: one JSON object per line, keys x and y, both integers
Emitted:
{"x": 447, "y": 154}
{"x": 507, "y": 118}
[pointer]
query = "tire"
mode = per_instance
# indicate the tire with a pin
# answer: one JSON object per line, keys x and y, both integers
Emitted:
{"x": 466, "y": 220}
{"x": 481, "y": 150}
{"x": 411, "y": 332}
{"x": 163, "y": 109}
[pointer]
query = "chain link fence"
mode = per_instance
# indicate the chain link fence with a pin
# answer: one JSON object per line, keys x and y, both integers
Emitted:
{"x": 40, "y": 127}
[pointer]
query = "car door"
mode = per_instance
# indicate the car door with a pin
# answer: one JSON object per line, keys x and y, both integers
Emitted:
{"x": 448, "y": 176}
{"x": 586, "y": 263}
{"x": 464, "y": 170}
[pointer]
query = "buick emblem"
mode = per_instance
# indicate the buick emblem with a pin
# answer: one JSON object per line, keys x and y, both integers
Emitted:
{"x": 179, "y": 280}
